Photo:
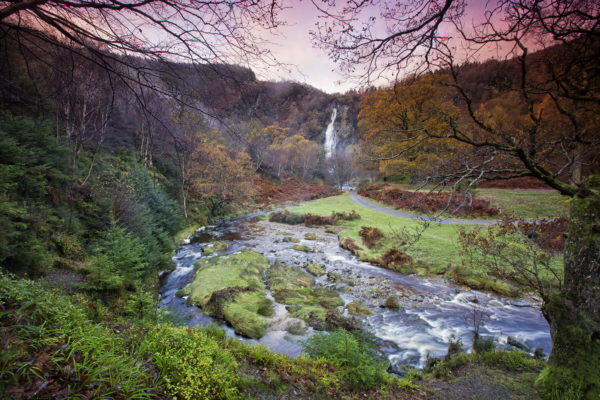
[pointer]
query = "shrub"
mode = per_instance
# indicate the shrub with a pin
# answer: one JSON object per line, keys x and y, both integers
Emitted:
{"x": 286, "y": 217}
{"x": 345, "y": 216}
{"x": 353, "y": 353}
{"x": 394, "y": 258}
{"x": 349, "y": 244}
{"x": 370, "y": 235}
{"x": 192, "y": 363}
{"x": 313, "y": 219}
{"x": 429, "y": 202}
{"x": 483, "y": 344}
{"x": 455, "y": 346}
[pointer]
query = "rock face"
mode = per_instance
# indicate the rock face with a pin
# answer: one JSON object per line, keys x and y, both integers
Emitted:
{"x": 574, "y": 314}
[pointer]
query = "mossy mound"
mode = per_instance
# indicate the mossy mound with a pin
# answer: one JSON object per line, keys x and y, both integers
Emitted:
{"x": 392, "y": 303}
{"x": 301, "y": 247}
{"x": 230, "y": 287}
{"x": 356, "y": 308}
{"x": 184, "y": 291}
{"x": 310, "y": 236}
{"x": 294, "y": 288}
{"x": 480, "y": 281}
{"x": 289, "y": 239}
{"x": 315, "y": 269}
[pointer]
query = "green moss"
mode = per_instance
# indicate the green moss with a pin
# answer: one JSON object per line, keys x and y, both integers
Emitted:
{"x": 219, "y": 245}
{"x": 301, "y": 247}
{"x": 310, "y": 236}
{"x": 294, "y": 288}
{"x": 392, "y": 303}
{"x": 246, "y": 313}
{"x": 289, "y": 239}
{"x": 356, "y": 308}
{"x": 315, "y": 269}
{"x": 572, "y": 370}
{"x": 230, "y": 287}
{"x": 184, "y": 291}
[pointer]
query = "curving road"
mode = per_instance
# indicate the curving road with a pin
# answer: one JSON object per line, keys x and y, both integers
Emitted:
{"x": 375, "y": 207}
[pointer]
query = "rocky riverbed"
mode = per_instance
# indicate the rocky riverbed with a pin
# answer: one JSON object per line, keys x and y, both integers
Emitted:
{"x": 412, "y": 317}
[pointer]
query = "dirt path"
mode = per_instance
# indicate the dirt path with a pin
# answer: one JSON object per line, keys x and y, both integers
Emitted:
{"x": 375, "y": 207}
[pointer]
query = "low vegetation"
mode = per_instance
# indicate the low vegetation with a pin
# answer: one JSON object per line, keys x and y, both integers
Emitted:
{"x": 295, "y": 288}
{"x": 437, "y": 250}
{"x": 63, "y": 346}
{"x": 231, "y": 288}
{"x": 428, "y": 203}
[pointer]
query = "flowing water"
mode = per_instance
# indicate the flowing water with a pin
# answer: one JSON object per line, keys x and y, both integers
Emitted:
{"x": 330, "y": 138}
{"x": 432, "y": 309}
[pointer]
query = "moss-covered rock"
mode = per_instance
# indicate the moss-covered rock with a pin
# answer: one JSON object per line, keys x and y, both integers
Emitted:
{"x": 392, "y": 303}
{"x": 315, "y": 269}
{"x": 207, "y": 251}
{"x": 294, "y": 288}
{"x": 184, "y": 291}
{"x": 289, "y": 239}
{"x": 310, "y": 236}
{"x": 301, "y": 247}
{"x": 231, "y": 288}
{"x": 356, "y": 308}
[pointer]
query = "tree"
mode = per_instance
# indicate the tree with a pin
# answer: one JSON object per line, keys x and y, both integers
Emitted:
{"x": 220, "y": 176}
{"x": 408, "y": 113}
{"x": 559, "y": 82}
{"x": 128, "y": 38}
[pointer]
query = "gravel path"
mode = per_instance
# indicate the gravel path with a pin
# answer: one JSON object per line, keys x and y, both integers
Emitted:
{"x": 375, "y": 207}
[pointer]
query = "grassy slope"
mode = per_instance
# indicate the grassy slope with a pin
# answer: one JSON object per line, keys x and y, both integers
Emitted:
{"x": 437, "y": 247}
{"x": 436, "y": 252}
{"x": 527, "y": 203}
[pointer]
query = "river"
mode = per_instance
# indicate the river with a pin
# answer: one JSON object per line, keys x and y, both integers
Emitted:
{"x": 432, "y": 309}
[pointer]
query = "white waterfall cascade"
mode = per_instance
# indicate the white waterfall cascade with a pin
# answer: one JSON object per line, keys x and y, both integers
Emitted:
{"x": 330, "y": 138}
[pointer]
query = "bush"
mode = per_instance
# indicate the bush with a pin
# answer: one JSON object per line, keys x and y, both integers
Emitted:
{"x": 192, "y": 363}
{"x": 313, "y": 219}
{"x": 353, "y": 353}
{"x": 484, "y": 344}
{"x": 394, "y": 258}
{"x": 345, "y": 216}
{"x": 370, "y": 235}
{"x": 285, "y": 217}
{"x": 429, "y": 202}
{"x": 455, "y": 346}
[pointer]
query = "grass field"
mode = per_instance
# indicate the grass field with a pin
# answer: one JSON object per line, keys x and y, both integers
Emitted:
{"x": 527, "y": 203}
{"x": 437, "y": 251}
{"x": 437, "y": 246}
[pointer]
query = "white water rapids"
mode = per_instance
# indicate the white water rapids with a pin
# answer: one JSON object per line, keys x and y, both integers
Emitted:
{"x": 432, "y": 309}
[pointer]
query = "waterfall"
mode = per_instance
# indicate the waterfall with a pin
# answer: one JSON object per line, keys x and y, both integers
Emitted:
{"x": 330, "y": 139}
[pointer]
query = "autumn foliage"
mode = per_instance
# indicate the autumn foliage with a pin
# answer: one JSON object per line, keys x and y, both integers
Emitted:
{"x": 428, "y": 202}
{"x": 289, "y": 190}
{"x": 394, "y": 257}
{"x": 370, "y": 235}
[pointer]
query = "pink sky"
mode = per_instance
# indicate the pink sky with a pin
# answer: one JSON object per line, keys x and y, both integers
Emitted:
{"x": 292, "y": 45}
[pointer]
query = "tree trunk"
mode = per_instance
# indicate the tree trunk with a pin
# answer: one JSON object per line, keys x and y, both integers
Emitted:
{"x": 574, "y": 315}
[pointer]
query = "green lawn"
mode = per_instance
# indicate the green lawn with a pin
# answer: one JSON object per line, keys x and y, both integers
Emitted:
{"x": 437, "y": 251}
{"x": 437, "y": 247}
{"x": 527, "y": 203}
